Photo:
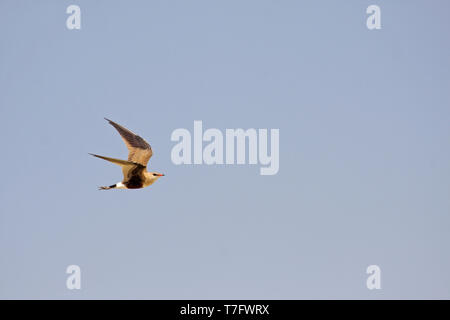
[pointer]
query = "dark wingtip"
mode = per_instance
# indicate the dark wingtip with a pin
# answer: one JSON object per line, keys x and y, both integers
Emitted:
{"x": 107, "y": 120}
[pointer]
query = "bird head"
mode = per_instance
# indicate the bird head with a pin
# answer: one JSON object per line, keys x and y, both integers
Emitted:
{"x": 156, "y": 175}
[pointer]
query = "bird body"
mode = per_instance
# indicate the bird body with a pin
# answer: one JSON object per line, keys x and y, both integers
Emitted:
{"x": 135, "y": 174}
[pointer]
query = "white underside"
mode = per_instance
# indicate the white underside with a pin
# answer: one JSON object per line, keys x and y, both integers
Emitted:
{"x": 120, "y": 185}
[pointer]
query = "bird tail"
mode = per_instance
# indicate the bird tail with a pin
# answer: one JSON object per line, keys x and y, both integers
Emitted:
{"x": 107, "y": 188}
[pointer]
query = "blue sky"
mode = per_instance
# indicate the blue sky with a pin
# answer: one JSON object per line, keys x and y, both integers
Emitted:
{"x": 364, "y": 159}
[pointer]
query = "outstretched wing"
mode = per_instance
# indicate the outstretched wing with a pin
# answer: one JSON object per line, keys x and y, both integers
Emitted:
{"x": 129, "y": 168}
{"x": 139, "y": 149}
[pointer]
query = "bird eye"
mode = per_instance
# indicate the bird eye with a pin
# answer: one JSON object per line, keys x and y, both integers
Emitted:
{"x": 154, "y": 174}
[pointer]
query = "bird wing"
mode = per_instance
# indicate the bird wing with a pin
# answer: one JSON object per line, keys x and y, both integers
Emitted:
{"x": 128, "y": 168}
{"x": 139, "y": 149}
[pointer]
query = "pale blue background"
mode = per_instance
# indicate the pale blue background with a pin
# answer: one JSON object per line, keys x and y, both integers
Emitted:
{"x": 364, "y": 149}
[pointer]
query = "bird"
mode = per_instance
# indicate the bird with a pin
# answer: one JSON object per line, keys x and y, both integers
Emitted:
{"x": 135, "y": 174}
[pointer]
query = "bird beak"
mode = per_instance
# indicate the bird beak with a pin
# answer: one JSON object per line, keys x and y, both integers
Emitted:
{"x": 162, "y": 174}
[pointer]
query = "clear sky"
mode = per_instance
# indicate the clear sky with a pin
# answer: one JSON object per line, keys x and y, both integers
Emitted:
{"x": 364, "y": 149}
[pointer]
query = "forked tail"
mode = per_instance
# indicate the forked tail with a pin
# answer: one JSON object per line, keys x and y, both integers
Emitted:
{"x": 107, "y": 188}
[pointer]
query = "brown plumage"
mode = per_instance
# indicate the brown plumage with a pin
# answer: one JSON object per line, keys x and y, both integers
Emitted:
{"x": 135, "y": 174}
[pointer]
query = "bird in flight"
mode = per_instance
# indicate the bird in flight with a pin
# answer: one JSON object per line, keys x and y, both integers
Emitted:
{"x": 135, "y": 174}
